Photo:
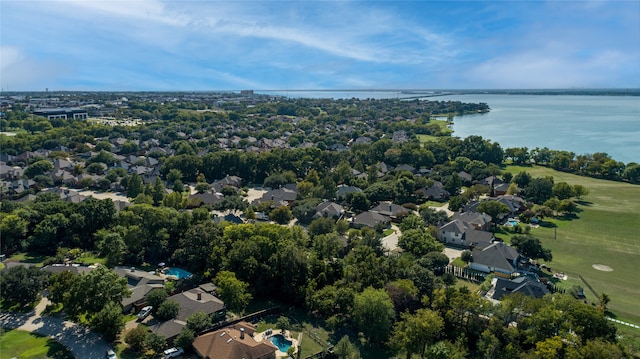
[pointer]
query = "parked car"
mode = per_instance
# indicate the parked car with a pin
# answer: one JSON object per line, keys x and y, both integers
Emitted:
{"x": 111, "y": 354}
{"x": 144, "y": 312}
{"x": 173, "y": 352}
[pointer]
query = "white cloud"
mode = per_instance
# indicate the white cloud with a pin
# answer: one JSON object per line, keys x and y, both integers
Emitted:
{"x": 19, "y": 71}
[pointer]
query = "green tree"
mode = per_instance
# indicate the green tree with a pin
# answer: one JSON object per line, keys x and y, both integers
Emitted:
{"x": 156, "y": 297}
{"x": 418, "y": 242}
{"x": 91, "y": 292}
{"x": 13, "y": 230}
{"x": 155, "y": 342}
{"x": 22, "y": 284}
{"x": 456, "y": 202}
{"x": 531, "y": 247}
{"x": 59, "y": 284}
{"x": 232, "y": 291}
{"x": 493, "y": 208}
{"x": 112, "y": 246}
{"x": 412, "y": 222}
{"x": 38, "y": 168}
{"x": 522, "y": 179}
{"x": 373, "y": 313}
{"x": 185, "y": 338}
{"x": 136, "y": 338}
{"x": 134, "y": 186}
{"x": 167, "y": 310}
{"x": 403, "y": 294}
{"x": 580, "y": 191}
{"x": 283, "y": 323}
{"x": 539, "y": 190}
{"x": 562, "y": 190}
{"x": 344, "y": 349}
{"x": 109, "y": 321}
{"x": 281, "y": 215}
{"x": 198, "y": 322}
{"x": 158, "y": 192}
{"x": 466, "y": 256}
{"x": 414, "y": 332}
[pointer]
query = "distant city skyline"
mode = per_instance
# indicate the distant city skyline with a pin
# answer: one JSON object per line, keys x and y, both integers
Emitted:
{"x": 153, "y": 45}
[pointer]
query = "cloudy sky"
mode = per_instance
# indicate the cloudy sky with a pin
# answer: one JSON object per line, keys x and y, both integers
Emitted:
{"x": 233, "y": 45}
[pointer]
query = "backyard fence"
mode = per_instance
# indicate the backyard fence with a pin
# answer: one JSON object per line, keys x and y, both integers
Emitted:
{"x": 247, "y": 318}
{"x": 465, "y": 273}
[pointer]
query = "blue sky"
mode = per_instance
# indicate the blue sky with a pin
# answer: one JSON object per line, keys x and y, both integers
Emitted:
{"x": 232, "y": 45}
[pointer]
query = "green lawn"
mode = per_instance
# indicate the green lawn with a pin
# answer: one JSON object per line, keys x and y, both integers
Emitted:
{"x": 25, "y": 345}
{"x": 606, "y": 231}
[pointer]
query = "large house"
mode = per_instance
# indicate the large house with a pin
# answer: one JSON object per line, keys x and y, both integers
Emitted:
{"x": 190, "y": 302}
{"x": 390, "y": 210}
{"x": 475, "y": 220}
{"x": 528, "y": 286}
{"x": 497, "y": 258}
{"x": 458, "y": 234}
{"x": 140, "y": 283}
{"x": 329, "y": 210}
{"x": 233, "y": 343}
{"x": 370, "y": 219}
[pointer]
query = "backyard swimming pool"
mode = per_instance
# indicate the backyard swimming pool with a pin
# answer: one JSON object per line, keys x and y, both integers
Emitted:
{"x": 282, "y": 343}
{"x": 177, "y": 272}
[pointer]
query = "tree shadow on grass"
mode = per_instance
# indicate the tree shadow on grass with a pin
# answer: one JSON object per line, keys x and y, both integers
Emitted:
{"x": 57, "y": 350}
{"x": 547, "y": 224}
{"x": 584, "y": 203}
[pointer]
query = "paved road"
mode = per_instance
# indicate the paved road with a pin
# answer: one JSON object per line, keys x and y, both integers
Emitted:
{"x": 83, "y": 343}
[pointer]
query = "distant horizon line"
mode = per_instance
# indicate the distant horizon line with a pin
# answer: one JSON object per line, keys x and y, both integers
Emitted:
{"x": 409, "y": 90}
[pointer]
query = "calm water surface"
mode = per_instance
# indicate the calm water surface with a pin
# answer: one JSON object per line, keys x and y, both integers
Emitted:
{"x": 581, "y": 124}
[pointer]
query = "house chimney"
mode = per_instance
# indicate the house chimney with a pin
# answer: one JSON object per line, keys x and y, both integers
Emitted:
{"x": 199, "y": 295}
{"x": 241, "y": 333}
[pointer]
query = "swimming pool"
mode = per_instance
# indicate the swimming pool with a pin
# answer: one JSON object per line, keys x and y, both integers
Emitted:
{"x": 178, "y": 273}
{"x": 282, "y": 343}
{"x": 513, "y": 223}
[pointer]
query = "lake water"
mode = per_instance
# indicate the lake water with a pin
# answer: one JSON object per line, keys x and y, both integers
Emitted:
{"x": 581, "y": 124}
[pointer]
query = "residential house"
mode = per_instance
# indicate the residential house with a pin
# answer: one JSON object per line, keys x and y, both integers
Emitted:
{"x": 190, "y": 302}
{"x": 491, "y": 181}
{"x": 140, "y": 283}
{"x": 390, "y": 210}
{"x": 475, "y": 220}
{"x": 501, "y": 189}
{"x": 329, "y": 210}
{"x": 465, "y": 177}
{"x": 233, "y": 181}
{"x": 206, "y": 198}
{"x": 500, "y": 287}
{"x": 405, "y": 167}
{"x": 436, "y": 192}
{"x": 456, "y": 233}
{"x": 497, "y": 258}
{"x": 282, "y": 196}
{"x": 370, "y": 219}
{"x": 344, "y": 190}
{"x": 76, "y": 269}
{"x": 233, "y": 343}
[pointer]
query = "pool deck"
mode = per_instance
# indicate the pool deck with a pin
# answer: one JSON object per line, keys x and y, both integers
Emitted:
{"x": 279, "y": 354}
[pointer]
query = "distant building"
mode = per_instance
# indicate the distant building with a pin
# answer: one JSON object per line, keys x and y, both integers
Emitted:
{"x": 75, "y": 113}
{"x": 246, "y": 92}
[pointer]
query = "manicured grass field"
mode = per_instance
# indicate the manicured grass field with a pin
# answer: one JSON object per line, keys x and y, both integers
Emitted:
{"x": 607, "y": 232}
{"x": 25, "y": 345}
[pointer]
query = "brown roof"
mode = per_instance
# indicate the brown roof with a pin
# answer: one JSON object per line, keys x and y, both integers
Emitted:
{"x": 227, "y": 344}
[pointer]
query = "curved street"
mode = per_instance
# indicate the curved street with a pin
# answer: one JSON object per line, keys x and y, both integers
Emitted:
{"x": 82, "y": 342}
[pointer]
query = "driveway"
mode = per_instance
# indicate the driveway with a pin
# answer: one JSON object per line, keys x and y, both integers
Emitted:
{"x": 82, "y": 342}
{"x": 390, "y": 242}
